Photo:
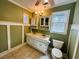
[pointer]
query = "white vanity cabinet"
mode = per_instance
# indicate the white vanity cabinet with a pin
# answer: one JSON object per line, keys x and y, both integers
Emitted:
{"x": 38, "y": 43}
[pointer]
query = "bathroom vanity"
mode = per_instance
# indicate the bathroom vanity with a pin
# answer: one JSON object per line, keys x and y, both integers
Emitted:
{"x": 38, "y": 41}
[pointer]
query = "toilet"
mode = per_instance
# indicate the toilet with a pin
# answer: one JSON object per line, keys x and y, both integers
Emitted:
{"x": 56, "y": 52}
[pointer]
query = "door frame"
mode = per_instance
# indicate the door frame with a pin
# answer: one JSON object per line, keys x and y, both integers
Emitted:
{"x": 75, "y": 27}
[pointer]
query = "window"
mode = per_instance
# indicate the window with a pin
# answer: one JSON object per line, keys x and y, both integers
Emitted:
{"x": 59, "y": 22}
{"x": 26, "y": 19}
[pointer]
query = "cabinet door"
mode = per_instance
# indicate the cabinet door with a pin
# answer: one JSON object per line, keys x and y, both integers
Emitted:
{"x": 34, "y": 42}
{"x": 43, "y": 47}
{"x": 3, "y": 38}
{"x": 38, "y": 44}
{"x": 28, "y": 40}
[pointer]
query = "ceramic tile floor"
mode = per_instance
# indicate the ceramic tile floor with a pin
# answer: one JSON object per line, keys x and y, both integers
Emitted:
{"x": 25, "y": 52}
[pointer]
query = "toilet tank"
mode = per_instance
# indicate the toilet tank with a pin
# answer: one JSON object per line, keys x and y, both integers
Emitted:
{"x": 57, "y": 44}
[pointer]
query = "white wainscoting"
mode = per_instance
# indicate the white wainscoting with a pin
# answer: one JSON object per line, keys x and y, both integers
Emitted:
{"x": 8, "y": 24}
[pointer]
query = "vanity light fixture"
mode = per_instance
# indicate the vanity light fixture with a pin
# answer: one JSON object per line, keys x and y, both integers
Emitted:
{"x": 39, "y": 12}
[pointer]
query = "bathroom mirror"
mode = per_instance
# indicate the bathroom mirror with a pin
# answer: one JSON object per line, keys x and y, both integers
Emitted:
{"x": 46, "y": 21}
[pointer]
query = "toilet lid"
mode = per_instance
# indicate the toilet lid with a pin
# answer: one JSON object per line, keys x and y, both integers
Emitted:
{"x": 56, "y": 52}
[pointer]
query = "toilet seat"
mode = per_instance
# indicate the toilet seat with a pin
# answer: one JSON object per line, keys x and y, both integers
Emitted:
{"x": 57, "y": 53}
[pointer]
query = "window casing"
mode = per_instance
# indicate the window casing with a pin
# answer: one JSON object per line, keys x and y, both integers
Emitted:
{"x": 59, "y": 22}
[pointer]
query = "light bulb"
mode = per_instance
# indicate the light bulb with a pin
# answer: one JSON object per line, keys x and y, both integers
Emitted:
{"x": 35, "y": 12}
{"x": 39, "y": 12}
{"x": 42, "y": 11}
{"x": 45, "y": 0}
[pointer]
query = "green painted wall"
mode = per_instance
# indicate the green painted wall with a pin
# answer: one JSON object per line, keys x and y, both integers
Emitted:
{"x": 16, "y": 35}
{"x": 26, "y": 30}
{"x": 76, "y": 15}
{"x": 3, "y": 38}
{"x": 73, "y": 38}
{"x": 64, "y": 38}
{"x": 11, "y": 12}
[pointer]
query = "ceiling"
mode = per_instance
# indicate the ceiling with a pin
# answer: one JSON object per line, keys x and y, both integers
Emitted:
{"x": 30, "y": 4}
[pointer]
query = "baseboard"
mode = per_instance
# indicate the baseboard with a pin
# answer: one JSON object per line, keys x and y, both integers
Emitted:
{"x": 12, "y": 49}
